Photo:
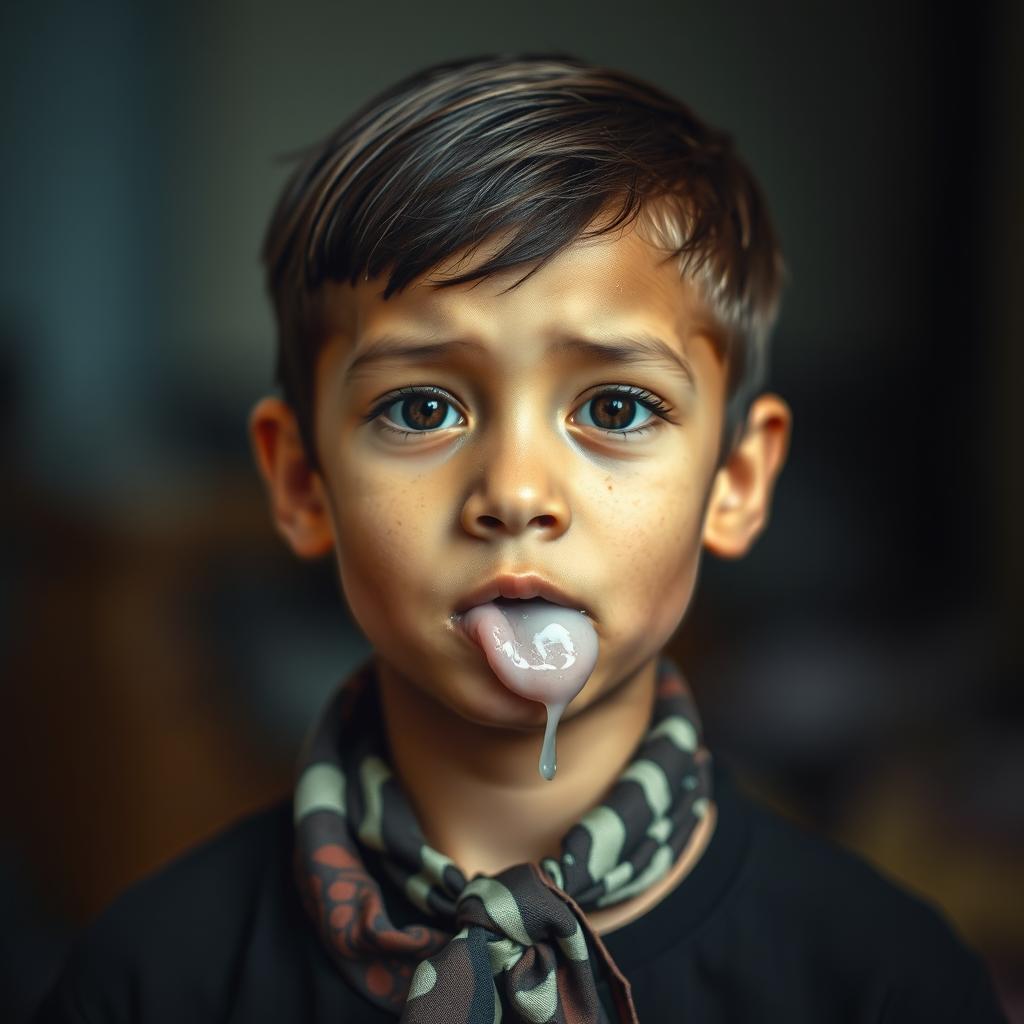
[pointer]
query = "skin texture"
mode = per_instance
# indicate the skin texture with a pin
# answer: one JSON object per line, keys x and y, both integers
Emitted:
{"x": 520, "y": 478}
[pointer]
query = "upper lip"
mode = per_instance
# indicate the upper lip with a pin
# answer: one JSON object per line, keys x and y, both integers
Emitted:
{"x": 522, "y": 587}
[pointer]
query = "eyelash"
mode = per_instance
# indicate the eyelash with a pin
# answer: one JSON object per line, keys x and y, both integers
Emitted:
{"x": 388, "y": 400}
{"x": 645, "y": 398}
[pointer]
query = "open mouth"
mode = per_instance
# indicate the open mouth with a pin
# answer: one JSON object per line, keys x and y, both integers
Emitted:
{"x": 517, "y": 602}
{"x": 511, "y": 592}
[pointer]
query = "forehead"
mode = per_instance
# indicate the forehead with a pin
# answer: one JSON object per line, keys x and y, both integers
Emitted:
{"x": 613, "y": 286}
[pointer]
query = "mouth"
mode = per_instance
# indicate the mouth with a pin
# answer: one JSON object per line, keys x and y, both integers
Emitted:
{"x": 541, "y": 646}
{"x": 508, "y": 591}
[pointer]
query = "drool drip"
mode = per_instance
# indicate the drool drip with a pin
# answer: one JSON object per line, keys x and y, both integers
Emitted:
{"x": 548, "y": 757}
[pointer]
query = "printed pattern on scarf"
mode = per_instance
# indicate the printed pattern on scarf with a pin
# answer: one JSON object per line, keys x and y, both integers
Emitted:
{"x": 513, "y": 947}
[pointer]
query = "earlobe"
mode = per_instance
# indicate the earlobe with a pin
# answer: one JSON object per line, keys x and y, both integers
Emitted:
{"x": 298, "y": 503}
{"x": 741, "y": 494}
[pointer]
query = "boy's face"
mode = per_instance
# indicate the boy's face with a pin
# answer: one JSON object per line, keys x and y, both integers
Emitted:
{"x": 518, "y": 446}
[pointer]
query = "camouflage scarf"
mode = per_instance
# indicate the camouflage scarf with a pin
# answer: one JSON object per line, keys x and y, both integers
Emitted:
{"x": 515, "y": 947}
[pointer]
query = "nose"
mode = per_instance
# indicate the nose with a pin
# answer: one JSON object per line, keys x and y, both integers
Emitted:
{"x": 519, "y": 488}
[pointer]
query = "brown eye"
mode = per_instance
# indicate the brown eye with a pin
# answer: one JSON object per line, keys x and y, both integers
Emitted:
{"x": 424, "y": 412}
{"x": 418, "y": 412}
{"x": 617, "y": 411}
{"x": 613, "y": 412}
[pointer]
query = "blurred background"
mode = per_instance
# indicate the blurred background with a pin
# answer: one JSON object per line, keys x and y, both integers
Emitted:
{"x": 163, "y": 653}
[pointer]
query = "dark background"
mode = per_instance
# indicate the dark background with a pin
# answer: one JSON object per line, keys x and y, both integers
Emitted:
{"x": 162, "y": 653}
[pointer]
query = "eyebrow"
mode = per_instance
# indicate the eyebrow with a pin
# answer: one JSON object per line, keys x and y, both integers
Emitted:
{"x": 636, "y": 348}
{"x": 395, "y": 348}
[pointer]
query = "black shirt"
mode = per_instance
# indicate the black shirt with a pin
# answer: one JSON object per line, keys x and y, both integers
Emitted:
{"x": 771, "y": 924}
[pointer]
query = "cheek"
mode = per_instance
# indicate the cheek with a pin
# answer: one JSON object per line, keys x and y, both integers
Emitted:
{"x": 383, "y": 542}
{"x": 651, "y": 548}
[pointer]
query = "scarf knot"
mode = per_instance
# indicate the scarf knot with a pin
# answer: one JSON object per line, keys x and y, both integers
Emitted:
{"x": 524, "y": 945}
{"x": 516, "y": 911}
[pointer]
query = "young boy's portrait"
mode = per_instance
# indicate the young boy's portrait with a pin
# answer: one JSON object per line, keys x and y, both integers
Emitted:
{"x": 492, "y": 604}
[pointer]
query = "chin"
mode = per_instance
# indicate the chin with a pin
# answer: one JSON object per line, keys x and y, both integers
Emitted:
{"x": 466, "y": 689}
{"x": 476, "y": 695}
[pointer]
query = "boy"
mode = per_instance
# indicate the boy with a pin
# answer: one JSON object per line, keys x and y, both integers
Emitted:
{"x": 523, "y": 309}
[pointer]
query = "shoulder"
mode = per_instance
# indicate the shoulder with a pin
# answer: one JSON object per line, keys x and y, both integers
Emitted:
{"x": 774, "y": 922}
{"x": 793, "y": 871}
{"x": 188, "y": 920}
{"x": 855, "y": 924}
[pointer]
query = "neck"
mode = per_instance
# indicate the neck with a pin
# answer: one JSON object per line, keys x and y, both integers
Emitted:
{"x": 483, "y": 802}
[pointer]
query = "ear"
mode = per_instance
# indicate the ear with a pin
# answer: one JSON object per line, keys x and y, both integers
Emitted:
{"x": 298, "y": 501}
{"x": 741, "y": 493}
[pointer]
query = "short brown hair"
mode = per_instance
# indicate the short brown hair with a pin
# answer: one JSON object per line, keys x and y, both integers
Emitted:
{"x": 531, "y": 148}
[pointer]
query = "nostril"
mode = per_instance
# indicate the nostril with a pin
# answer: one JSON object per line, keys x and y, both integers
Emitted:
{"x": 545, "y": 520}
{"x": 490, "y": 521}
